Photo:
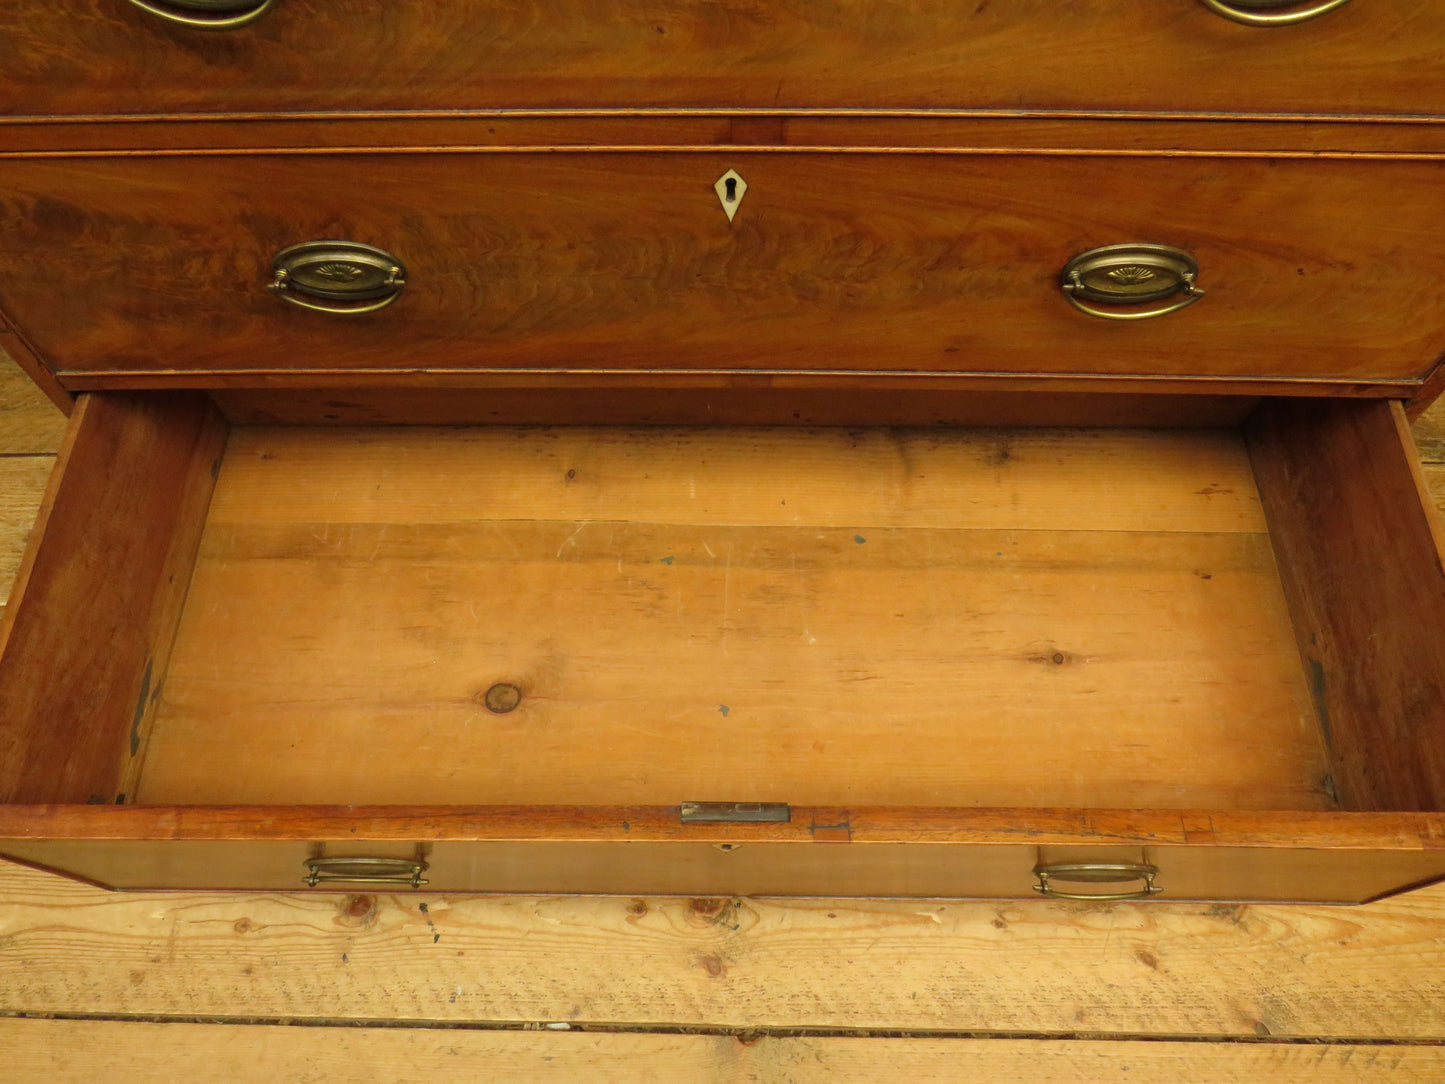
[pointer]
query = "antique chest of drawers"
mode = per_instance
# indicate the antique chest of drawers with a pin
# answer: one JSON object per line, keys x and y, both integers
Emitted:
{"x": 865, "y": 448}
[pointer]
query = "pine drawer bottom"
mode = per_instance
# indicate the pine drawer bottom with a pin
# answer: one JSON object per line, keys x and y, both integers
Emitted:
{"x": 1114, "y": 663}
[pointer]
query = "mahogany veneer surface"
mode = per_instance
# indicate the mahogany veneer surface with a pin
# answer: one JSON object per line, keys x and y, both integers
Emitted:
{"x": 106, "y": 57}
{"x": 626, "y": 261}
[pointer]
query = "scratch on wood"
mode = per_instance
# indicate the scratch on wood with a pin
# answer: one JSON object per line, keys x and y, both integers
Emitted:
{"x": 569, "y": 540}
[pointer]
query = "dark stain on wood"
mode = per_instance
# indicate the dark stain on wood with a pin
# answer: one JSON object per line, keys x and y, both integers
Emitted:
{"x": 1317, "y": 694}
{"x": 140, "y": 708}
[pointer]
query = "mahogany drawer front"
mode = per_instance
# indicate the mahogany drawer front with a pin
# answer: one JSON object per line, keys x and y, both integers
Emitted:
{"x": 129, "y": 268}
{"x": 931, "y": 663}
{"x": 109, "y": 57}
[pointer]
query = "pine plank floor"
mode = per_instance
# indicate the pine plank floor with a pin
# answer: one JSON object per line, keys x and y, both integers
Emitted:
{"x": 332, "y": 986}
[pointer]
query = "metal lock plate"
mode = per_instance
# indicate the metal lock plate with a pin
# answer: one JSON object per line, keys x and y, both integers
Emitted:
{"x": 735, "y": 813}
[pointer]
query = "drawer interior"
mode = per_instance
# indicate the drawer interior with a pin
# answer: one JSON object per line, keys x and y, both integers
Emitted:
{"x": 1011, "y": 617}
{"x": 613, "y": 615}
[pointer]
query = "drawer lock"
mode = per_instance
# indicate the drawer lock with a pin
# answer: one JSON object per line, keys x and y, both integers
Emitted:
{"x": 1133, "y": 274}
{"x": 206, "y": 14}
{"x": 735, "y": 813}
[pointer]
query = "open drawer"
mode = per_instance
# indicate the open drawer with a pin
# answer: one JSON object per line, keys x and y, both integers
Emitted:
{"x": 1177, "y": 663}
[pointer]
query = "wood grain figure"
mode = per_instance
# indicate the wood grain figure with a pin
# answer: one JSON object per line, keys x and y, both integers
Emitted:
{"x": 106, "y": 57}
{"x": 615, "y": 261}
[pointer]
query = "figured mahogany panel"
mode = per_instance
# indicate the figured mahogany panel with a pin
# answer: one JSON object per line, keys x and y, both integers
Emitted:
{"x": 86, "y": 635}
{"x": 840, "y": 262}
{"x": 105, "y": 56}
{"x": 1359, "y": 550}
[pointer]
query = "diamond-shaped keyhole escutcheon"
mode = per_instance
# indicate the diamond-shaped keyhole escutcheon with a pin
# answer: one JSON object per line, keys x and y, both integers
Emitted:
{"x": 730, "y": 189}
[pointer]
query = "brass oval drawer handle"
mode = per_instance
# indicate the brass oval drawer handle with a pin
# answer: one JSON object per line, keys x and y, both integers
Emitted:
{"x": 344, "y": 278}
{"x": 372, "y": 871}
{"x": 207, "y": 14}
{"x": 1252, "y": 13}
{"x": 1097, "y": 873}
{"x": 1128, "y": 275}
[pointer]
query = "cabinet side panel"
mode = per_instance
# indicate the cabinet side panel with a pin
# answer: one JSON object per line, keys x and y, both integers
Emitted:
{"x": 1359, "y": 549}
{"x": 89, "y": 625}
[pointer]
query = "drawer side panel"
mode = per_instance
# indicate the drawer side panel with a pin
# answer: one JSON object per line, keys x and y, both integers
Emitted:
{"x": 1359, "y": 548}
{"x": 89, "y": 627}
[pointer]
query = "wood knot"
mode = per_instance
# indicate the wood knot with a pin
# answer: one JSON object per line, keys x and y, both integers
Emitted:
{"x": 357, "y": 911}
{"x": 1052, "y": 656}
{"x": 712, "y": 964}
{"x": 502, "y": 698}
{"x": 724, "y": 913}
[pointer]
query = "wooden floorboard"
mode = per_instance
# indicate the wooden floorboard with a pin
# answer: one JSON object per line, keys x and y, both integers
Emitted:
{"x": 1195, "y": 970}
{"x": 30, "y": 423}
{"x": 66, "y": 1051}
{"x": 22, "y": 484}
{"x": 31, "y": 428}
{"x": 1300, "y": 993}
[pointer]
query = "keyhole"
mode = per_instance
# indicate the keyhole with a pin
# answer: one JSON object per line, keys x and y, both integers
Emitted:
{"x": 731, "y": 191}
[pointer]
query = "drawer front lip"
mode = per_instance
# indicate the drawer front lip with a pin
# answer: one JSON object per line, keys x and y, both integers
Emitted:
{"x": 1339, "y": 858}
{"x": 101, "y": 56}
{"x": 626, "y": 261}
